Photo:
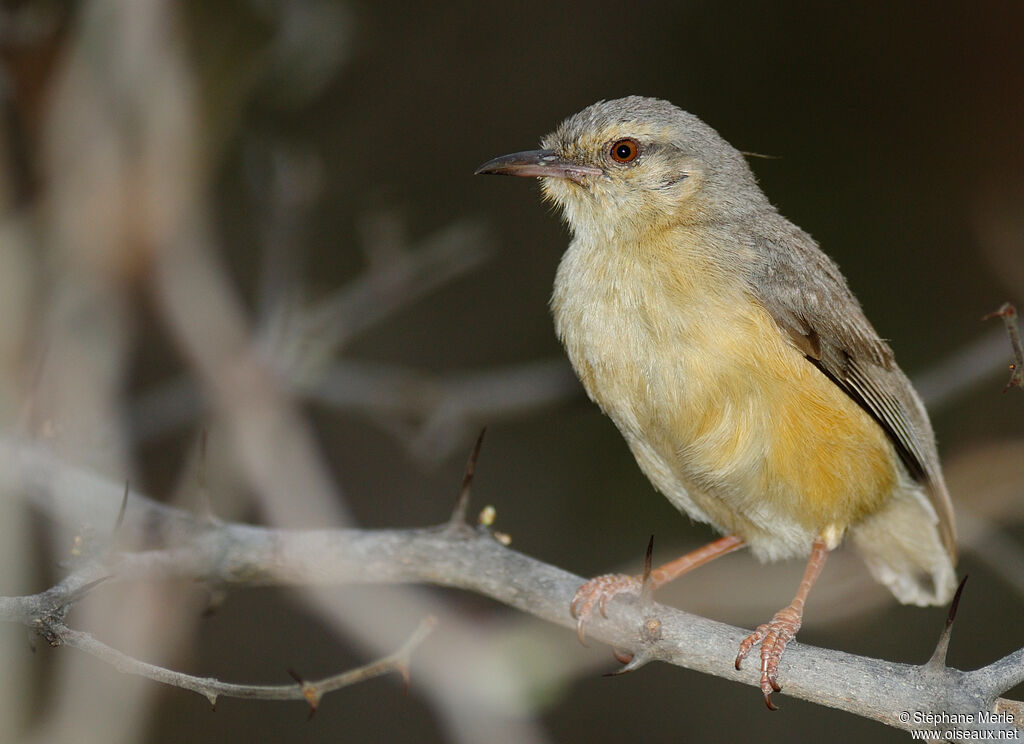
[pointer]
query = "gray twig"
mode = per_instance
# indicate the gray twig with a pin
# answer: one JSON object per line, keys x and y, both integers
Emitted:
{"x": 472, "y": 559}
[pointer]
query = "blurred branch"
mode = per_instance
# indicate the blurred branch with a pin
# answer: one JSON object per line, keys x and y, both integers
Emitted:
{"x": 133, "y": 135}
{"x": 963, "y": 370}
{"x": 300, "y": 343}
{"x": 387, "y": 286}
{"x": 1009, "y": 315}
{"x": 434, "y": 414}
{"x": 472, "y": 559}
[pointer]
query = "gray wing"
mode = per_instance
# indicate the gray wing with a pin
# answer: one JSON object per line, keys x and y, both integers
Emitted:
{"x": 808, "y": 297}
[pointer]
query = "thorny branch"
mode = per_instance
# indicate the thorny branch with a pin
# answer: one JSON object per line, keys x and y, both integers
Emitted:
{"x": 45, "y": 615}
{"x": 211, "y": 689}
{"x": 472, "y": 559}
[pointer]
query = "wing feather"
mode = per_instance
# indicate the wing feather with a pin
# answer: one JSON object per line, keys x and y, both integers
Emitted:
{"x": 807, "y": 295}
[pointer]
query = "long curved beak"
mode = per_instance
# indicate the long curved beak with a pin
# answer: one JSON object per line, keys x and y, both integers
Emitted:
{"x": 539, "y": 163}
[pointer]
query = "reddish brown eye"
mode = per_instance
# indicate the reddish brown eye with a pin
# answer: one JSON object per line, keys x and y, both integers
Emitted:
{"x": 625, "y": 150}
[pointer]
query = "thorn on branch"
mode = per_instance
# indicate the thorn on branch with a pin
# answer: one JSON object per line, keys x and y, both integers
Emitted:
{"x": 646, "y": 589}
{"x": 212, "y": 689}
{"x": 938, "y": 659}
{"x": 955, "y": 604}
{"x": 650, "y": 631}
{"x": 1009, "y": 315}
{"x": 458, "y": 518}
{"x": 309, "y": 691}
{"x": 638, "y": 660}
{"x": 119, "y": 522}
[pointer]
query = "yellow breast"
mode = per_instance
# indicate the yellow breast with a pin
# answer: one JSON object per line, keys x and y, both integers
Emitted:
{"x": 723, "y": 412}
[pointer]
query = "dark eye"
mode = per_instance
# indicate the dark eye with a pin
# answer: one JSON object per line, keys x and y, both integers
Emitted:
{"x": 625, "y": 150}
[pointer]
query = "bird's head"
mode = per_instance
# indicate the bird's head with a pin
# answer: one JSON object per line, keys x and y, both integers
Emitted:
{"x": 622, "y": 167}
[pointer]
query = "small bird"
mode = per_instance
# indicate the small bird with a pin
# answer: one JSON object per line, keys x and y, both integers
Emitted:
{"x": 736, "y": 363}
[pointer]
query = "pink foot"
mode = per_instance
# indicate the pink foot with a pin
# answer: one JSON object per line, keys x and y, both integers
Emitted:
{"x": 773, "y": 637}
{"x": 595, "y": 595}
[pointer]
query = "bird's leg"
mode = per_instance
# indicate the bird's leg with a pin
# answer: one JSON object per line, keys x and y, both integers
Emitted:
{"x": 774, "y": 635}
{"x": 595, "y": 593}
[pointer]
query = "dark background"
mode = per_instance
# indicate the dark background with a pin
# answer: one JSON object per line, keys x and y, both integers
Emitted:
{"x": 895, "y": 131}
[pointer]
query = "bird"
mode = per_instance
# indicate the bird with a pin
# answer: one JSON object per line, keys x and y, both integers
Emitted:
{"x": 737, "y": 364}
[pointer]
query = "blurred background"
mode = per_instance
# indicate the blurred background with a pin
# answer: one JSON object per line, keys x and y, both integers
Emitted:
{"x": 257, "y": 219}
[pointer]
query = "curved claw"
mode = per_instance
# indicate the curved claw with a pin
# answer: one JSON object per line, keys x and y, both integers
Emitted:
{"x": 581, "y": 632}
{"x": 595, "y": 594}
{"x": 748, "y": 643}
{"x": 773, "y": 637}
